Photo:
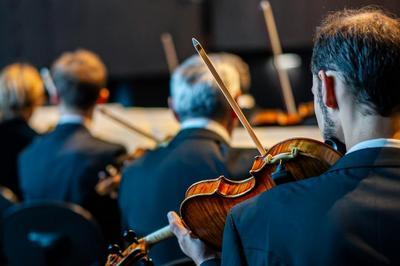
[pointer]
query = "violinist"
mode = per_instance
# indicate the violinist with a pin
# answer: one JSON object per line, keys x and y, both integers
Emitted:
{"x": 156, "y": 182}
{"x": 21, "y": 92}
{"x": 350, "y": 214}
{"x": 63, "y": 165}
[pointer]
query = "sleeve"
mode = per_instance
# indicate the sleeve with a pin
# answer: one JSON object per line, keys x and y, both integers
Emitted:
{"x": 212, "y": 262}
{"x": 232, "y": 249}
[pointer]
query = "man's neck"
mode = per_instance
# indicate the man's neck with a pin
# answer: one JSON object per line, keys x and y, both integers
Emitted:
{"x": 86, "y": 116}
{"x": 371, "y": 127}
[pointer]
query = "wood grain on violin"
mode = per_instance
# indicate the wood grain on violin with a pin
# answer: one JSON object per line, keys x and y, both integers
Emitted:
{"x": 208, "y": 202}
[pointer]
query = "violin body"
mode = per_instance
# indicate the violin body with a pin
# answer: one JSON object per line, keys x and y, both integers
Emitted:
{"x": 208, "y": 202}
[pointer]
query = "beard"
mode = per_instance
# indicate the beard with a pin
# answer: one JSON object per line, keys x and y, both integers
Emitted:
{"x": 328, "y": 131}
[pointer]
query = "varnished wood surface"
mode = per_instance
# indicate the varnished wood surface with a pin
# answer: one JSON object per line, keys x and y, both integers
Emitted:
{"x": 208, "y": 202}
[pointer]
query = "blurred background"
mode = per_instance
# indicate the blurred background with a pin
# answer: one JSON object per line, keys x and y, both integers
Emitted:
{"x": 126, "y": 34}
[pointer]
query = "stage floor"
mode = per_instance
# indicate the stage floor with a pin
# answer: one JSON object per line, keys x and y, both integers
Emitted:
{"x": 161, "y": 123}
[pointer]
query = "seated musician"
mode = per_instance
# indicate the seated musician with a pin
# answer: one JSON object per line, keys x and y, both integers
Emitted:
{"x": 350, "y": 214}
{"x": 157, "y": 182}
{"x": 64, "y": 164}
{"x": 21, "y": 91}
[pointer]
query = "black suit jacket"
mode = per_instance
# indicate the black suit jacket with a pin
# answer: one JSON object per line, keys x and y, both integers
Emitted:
{"x": 15, "y": 135}
{"x": 157, "y": 182}
{"x": 348, "y": 216}
{"x": 64, "y": 165}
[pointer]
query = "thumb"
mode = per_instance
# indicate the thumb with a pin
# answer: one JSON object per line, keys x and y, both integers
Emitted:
{"x": 176, "y": 225}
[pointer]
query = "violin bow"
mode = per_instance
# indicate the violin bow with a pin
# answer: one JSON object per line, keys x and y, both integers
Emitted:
{"x": 170, "y": 51}
{"x": 277, "y": 51}
{"x": 203, "y": 55}
{"x": 49, "y": 85}
{"x": 127, "y": 125}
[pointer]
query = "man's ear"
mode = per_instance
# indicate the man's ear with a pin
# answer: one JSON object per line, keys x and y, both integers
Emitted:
{"x": 328, "y": 90}
{"x": 171, "y": 107}
{"x": 104, "y": 95}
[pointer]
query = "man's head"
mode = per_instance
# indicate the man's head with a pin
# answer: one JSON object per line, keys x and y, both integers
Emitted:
{"x": 195, "y": 94}
{"x": 79, "y": 76}
{"x": 241, "y": 66}
{"x": 355, "y": 66}
{"x": 21, "y": 90}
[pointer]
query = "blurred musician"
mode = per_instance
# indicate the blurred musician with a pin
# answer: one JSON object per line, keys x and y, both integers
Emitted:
{"x": 21, "y": 91}
{"x": 349, "y": 215}
{"x": 64, "y": 164}
{"x": 245, "y": 100}
{"x": 157, "y": 182}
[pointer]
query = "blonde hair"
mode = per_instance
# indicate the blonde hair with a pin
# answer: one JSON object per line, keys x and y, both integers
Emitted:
{"x": 241, "y": 66}
{"x": 21, "y": 90}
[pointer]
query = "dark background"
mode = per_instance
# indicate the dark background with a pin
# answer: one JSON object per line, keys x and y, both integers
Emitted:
{"x": 126, "y": 34}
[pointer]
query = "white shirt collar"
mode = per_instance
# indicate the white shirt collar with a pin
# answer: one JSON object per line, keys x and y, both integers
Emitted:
{"x": 207, "y": 124}
{"x": 375, "y": 143}
{"x": 73, "y": 119}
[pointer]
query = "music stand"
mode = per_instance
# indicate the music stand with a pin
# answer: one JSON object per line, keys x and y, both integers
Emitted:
{"x": 51, "y": 233}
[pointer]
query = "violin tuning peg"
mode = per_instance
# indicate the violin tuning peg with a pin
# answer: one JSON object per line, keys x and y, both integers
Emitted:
{"x": 130, "y": 237}
{"x": 114, "y": 249}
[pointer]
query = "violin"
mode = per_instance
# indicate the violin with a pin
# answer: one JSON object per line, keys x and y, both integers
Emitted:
{"x": 208, "y": 202}
{"x": 110, "y": 178}
{"x": 293, "y": 115}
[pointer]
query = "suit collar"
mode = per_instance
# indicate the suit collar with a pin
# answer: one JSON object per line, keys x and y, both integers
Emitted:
{"x": 74, "y": 119}
{"x": 370, "y": 157}
{"x": 197, "y": 133}
{"x": 70, "y": 127}
{"x": 375, "y": 143}
{"x": 201, "y": 122}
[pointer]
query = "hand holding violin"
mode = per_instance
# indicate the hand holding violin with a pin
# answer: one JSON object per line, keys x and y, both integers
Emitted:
{"x": 193, "y": 247}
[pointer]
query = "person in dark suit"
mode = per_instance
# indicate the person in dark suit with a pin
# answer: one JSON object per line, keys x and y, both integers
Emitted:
{"x": 157, "y": 182}
{"x": 349, "y": 215}
{"x": 21, "y": 91}
{"x": 63, "y": 165}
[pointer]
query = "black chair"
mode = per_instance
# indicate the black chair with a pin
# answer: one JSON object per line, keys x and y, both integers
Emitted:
{"x": 7, "y": 199}
{"x": 51, "y": 233}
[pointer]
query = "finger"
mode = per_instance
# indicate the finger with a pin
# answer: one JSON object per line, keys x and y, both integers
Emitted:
{"x": 176, "y": 225}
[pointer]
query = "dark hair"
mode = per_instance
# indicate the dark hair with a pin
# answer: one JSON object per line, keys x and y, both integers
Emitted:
{"x": 364, "y": 47}
{"x": 79, "y": 76}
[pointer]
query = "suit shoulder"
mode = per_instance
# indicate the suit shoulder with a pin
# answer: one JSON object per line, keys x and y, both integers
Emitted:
{"x": 108, "y": 146}
{"x": 270, "y": 203}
